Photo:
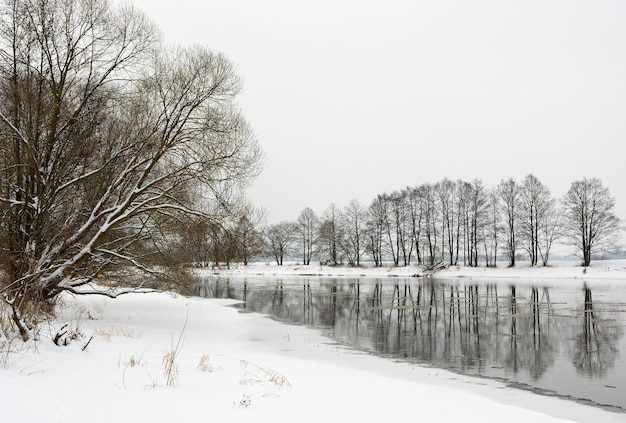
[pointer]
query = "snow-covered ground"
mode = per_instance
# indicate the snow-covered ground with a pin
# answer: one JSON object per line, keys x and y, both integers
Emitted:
{"x": 233, "y": 366}
{"x": 606, "y": 269}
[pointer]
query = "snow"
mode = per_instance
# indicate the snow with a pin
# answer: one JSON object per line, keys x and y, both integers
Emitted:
{"x": 235, "y": 366}
{"x": 599, "y": 270}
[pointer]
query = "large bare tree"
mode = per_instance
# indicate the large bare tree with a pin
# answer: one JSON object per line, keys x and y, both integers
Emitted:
{"x": 108, "y": 139}
{"x": 329, "y": 235}
{"x": 247, "y": 232}
{"x": 416, "y": 218}
{"x": 279, "y": 238}
{"x": 446, "y": 194}
{"x": 492, "y": 229}
{"x": 509, "y": 193}
{"x": 352, "y": 241}
{"x": 375, "y": 228}
{"x": 592, "y": 225}
{"x": 550, "y": 230}
{"x": 307, "y": 228}
{"x": 431, "y": 228}
{"x": 476, "y": 218}
{"x": 536, "y": 205}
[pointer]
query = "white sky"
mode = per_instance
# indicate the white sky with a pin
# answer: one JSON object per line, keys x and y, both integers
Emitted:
{"x": 351, "y": 98}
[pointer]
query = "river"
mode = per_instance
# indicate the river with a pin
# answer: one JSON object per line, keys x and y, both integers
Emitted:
{"x": 564, "y": 339}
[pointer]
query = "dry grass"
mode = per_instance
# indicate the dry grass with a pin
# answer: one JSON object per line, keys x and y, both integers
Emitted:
{"x": 170, "y": 368}
{"x": 106, "y": 332}
{"x": 204, "y": 365}
{"x": 135, "y": 361}
{"x": 256, "y": 375}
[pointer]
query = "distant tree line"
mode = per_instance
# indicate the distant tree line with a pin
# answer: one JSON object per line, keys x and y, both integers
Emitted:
{"x": 454, "y": 222}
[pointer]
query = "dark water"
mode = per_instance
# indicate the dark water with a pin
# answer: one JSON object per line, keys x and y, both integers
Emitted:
{"x": 566, "y": 340}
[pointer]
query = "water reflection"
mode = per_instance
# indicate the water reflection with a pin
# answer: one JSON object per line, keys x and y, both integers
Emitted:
{"x": 596, "y": 349}
{"x": 511, "y": 332}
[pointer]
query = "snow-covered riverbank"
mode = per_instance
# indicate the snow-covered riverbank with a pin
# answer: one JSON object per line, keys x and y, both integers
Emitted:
{"x": 604, "y": 269}
{"x": 232, "y": 366}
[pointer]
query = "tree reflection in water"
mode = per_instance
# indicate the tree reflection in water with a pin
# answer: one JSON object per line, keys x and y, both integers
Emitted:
{"x": 471, "y": 328}
{"x": 596, "y": 346}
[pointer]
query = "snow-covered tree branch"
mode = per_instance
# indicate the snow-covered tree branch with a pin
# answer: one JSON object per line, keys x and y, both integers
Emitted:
{"x": 108, "y": 141}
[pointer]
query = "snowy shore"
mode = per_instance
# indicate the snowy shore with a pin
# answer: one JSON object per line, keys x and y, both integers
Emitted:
{"x": 604, "y": 269}
{"x": 233, "y": 366}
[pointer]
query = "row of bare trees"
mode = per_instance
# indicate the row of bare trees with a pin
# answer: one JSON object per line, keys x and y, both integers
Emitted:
{"x": 455, "y": 222}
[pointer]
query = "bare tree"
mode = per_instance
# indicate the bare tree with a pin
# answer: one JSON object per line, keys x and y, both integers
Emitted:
{"x": 536, "y": 200}
{"x": 222, "y": 244}
{"x": 430, "y": 213}
{"x": 550, "y": 230}
{"x": 389, "y": 225}
{"x": 509, "y": 193}
{"x": 476, "y": 217}
{"x": 353, "y": 227}
{"x": 329, "y": 234}
{"x": 279, "y": 238}
{"x": 446, "y": 193}
{"x": 195, "y": 242}
{"x": 106, "y": 135}
{"x": 416, "y": 217}
{"x": 376, "y": 224}
{"x": 201, "y": 241}
{"x": 461, "y": 198}
{"x": 247, "y": 233}
{"x": 307, "y": 228}
{"x": 492, "y": 229}
{"x": 592, "y": 223}
{"x": 399, "y": 237}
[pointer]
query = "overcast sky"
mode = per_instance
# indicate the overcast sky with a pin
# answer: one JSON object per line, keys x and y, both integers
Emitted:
{"x": 354, "y": 98}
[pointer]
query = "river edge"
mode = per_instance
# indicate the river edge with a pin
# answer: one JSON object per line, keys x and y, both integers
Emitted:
{"x": 239, "y": 367}
{"x": 598, "y": 270}
{"x": 571, "y": 274}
